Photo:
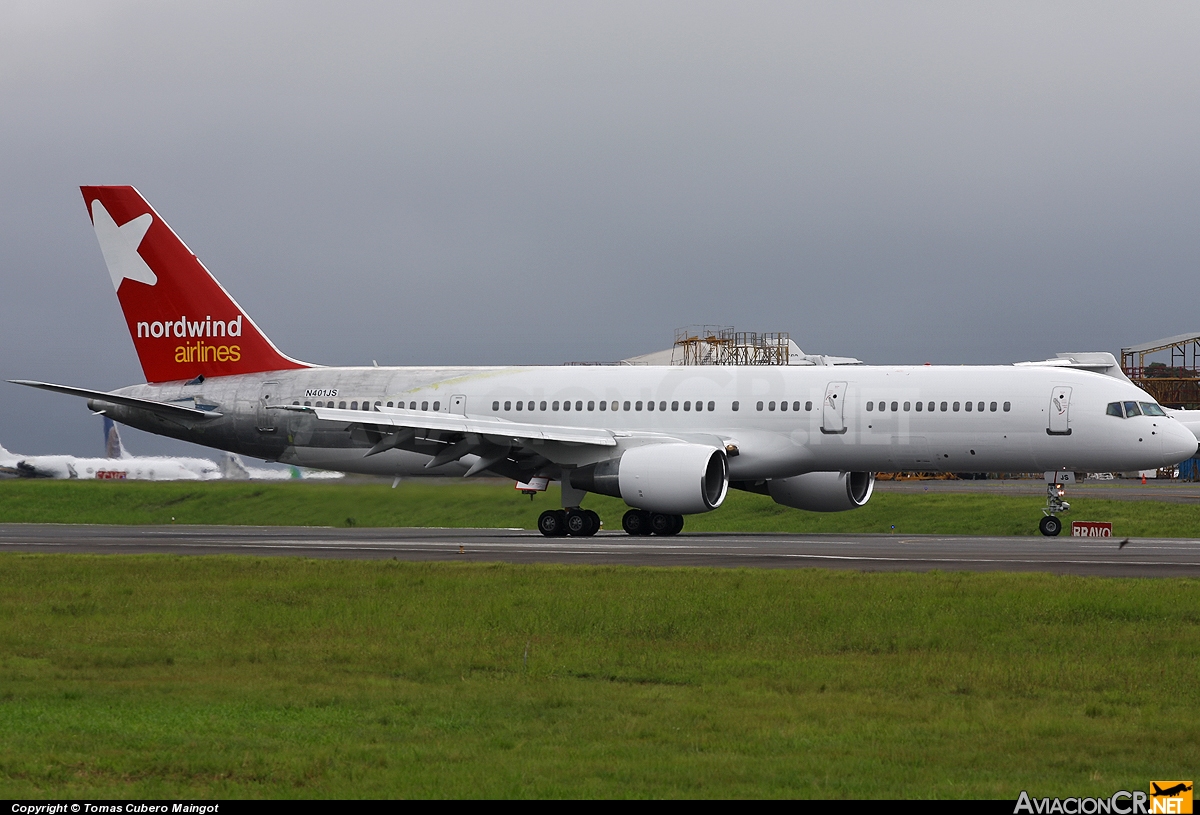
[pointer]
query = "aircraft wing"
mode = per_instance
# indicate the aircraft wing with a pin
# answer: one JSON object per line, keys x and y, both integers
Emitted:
{"x": 455, "y": 423}
{"x": 162, "y": 408}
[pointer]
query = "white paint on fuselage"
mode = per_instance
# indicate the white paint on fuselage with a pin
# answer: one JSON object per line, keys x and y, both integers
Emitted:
{"x": 771, "y": 444}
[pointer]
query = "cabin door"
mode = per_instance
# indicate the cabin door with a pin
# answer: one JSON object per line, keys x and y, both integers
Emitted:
{"x": 265, "y": 420}
{"x": 1060, "y": 407}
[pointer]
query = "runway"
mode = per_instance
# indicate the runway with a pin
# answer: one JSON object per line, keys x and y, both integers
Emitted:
{"x": 1063, "y": 555}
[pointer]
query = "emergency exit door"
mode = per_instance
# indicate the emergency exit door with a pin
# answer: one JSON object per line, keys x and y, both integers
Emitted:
{"x": 833, "y": 409}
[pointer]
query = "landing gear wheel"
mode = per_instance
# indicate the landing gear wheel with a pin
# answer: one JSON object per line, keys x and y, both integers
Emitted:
{"x": 666, "y": 525}
{"x": 553, "y": 523}
{"x": 1050, "y": 526}
{"x": 582, "y": 523}
{"x": 636, "y": 522}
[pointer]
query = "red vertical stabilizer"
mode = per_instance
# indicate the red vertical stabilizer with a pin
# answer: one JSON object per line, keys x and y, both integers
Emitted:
{"x": 183, "y": 323}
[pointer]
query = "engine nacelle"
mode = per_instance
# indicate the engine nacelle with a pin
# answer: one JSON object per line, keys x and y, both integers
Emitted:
{"x": 672, "y": 478}
{"x": 823, "y": 492}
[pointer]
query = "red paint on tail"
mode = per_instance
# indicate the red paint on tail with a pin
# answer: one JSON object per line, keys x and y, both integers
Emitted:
{"x": 183, "y": 323}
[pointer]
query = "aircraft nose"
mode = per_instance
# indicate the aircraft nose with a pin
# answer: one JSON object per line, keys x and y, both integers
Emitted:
{"x": 1178, "y": 443}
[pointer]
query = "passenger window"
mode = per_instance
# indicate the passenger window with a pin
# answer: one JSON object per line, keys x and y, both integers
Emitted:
{"x": 955, "y": 406}
{"x": 687, "y": 405}
{"x": 591, "y": 405}
{"x": 907, "y": 405}
{"x": 627, "y": 405}
{"x": 412, "y": 405}
{"x": 341, "y": 405}
{"x": 808, "y": 405}
{"x": 736, "y": 405}
{"x": 993, "y": 407}
{"x": 944, "y": 407}
{"x": 674, "y": 406}
{"x": 520, "y": 404}
{"x": 795, "y": 405}
{"x": 554, "y": 405}
{"x": 649, "y": 406}
{"x": 1114, "y": 409}
{"x": 920, "y": 406}
{"x": 437, "y": 406}
{"x": 603, "y": 406}
{"x": 1007, "y": 405}
{"x": 307, "y": 403}
{"x": 979, "y": 407}
{"x": 931, "y": 407}
{"x": 1131, "y": 410}
{"x": 495, "y": 405}
{"x": 389, "y": 404}
{"x": 770, "y": 405}
{"x": 579, "y": 404}
{"x": 783, "y": 405}
{"x": 894, "y": 407}
{"x": 507, "y": 406}
{"x": 636, "y": 405}
{"x": 542, "y": 406}
{"x": 969, "y": 406}
{"x": 354, "y": 405}
{"x": 566, "y": 405}
{"x": 712, "y": 406}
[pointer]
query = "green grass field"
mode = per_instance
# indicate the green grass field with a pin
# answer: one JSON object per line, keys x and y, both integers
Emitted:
{"x": 455, "y": 503}
{"x": 160, "y": 676}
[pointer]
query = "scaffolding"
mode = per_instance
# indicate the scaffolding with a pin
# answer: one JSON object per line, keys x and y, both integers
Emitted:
{"x": 724, "y": 345}
{"x": 1175, "y": 385}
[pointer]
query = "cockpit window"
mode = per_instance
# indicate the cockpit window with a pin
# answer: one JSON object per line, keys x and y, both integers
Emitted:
{"x": 1114, "y": 409}
{"x": 1151, "y": 409}
{"x": 1131, "y": 410}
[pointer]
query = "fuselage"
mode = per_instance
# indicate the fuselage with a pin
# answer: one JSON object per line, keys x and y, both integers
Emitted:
{"x": 775, "y": 421}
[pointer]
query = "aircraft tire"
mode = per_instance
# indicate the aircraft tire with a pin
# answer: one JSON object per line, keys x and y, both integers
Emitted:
{"x": 553, "y": 523}
{"x": 578, "y": 523}
{"x": 1050, "y": 526}
{"x": 593, "y": 522}
{"x": 636, "y": 522}
{"x": 666, "y": 525}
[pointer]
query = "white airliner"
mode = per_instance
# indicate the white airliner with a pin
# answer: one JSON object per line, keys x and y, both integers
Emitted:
{"x": 119, "y": 465}
{"x": 668, "y": 440}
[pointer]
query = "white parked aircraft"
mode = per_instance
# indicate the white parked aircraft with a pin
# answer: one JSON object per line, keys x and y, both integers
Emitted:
{"x": 119, "y": 464}
{"x": 668, "y": 440}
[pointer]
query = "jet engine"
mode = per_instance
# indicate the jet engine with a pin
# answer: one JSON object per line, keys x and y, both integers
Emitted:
{"x": 674, "y": 479}
{"x": 823, "y": 492}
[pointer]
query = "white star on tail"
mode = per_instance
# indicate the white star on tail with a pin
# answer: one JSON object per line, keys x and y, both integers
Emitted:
{"x": 119, "y": 244}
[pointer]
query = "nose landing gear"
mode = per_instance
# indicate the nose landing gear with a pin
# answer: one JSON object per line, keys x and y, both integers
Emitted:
{"x": 1051, "y": 524}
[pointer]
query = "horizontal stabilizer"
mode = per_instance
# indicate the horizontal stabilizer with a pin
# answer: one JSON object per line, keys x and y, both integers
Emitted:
{"x": 161, "y": 408}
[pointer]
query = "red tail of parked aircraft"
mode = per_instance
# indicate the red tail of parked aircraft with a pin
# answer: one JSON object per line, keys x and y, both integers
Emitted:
{"x": 183, "y": 323}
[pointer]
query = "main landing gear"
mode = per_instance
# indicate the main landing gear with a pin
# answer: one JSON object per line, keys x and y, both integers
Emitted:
{"x": 1051, "y": 524}
{"x": 580, "y": 523}
{"x": 640, "y": 522}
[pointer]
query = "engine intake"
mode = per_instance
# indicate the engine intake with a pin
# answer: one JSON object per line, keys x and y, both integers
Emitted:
{"x": 823, "y": 492}
{"x": 676, "y": 479}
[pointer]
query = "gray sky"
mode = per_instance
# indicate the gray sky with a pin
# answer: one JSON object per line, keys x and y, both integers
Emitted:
{"x": 490, "y": 183}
